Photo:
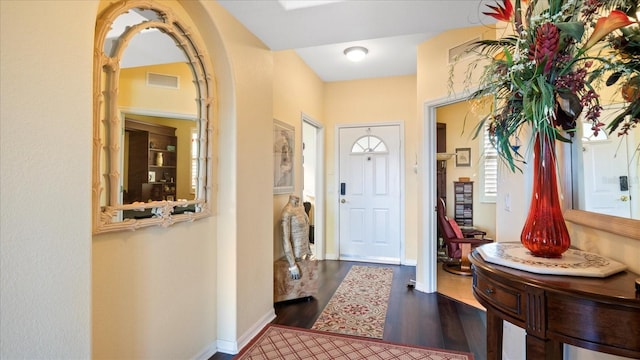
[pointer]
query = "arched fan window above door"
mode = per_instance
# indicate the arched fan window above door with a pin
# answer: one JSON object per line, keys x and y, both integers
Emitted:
{"x": 369, "y": 144}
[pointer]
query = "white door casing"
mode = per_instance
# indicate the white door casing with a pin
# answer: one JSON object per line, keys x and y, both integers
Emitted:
{"x": 369, "y": 193}
{"x": 426, "y": 272}
{"x": 604, "y": 162}
{"x": 319, "y": 194}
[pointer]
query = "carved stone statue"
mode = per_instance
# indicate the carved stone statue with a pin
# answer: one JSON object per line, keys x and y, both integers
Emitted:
{"x": 295, "y": 235}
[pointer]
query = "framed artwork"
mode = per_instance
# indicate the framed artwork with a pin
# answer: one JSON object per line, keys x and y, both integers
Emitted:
{"x": 283, "y": 157}
{"x": 152, "y": 176}
{"x": 463, "y": 157}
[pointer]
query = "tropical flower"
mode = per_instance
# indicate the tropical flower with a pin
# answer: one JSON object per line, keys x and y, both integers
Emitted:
{"x": 545, "y": 74}
{"x": 502, "y": 13}
{"x": 626, "y": 46}
{"x": 605, "y": 25}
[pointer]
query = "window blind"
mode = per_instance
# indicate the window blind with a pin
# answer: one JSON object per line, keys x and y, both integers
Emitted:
{"x": 489, "y": 189}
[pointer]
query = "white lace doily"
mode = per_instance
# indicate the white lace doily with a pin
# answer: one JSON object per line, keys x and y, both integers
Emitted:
{"x": 573, "y": 262}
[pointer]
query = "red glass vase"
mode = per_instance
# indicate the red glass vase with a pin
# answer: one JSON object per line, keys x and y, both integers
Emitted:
{"x": 545, "y": 233}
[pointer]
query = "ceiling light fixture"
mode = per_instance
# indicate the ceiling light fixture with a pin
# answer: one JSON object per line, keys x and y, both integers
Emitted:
{"x": 356, "y": 53}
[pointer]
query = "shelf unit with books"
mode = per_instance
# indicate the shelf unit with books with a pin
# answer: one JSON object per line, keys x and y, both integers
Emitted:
{"x": 463, "y": 202}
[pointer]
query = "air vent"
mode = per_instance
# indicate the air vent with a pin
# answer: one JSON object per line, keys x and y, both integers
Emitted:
{"x": 162, "y": 80}
{"x": 459, "y": 52}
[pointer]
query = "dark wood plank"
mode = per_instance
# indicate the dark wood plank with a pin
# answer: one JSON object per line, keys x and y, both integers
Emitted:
{"x": 413, "y": 317}
{"x": 452, "y": 327}
{"x": 475, "y": 328}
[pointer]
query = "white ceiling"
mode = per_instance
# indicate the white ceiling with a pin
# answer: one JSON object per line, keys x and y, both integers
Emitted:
{"x": 319, "y": 31}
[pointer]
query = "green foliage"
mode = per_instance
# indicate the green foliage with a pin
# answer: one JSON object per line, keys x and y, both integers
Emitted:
{"x": 545, "y": 58}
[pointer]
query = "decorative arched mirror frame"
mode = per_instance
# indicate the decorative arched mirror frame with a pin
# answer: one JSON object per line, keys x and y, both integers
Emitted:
{"x": 106, "y": 139}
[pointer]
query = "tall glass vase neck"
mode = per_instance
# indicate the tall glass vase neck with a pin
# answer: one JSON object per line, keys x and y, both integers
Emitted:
{"x": 545, "y": 232}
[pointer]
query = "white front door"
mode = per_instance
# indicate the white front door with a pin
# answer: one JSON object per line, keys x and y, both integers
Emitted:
{"x": 606, "y": 170}
{"x": 369, "y": 193}
{"x": 606, "y": 180}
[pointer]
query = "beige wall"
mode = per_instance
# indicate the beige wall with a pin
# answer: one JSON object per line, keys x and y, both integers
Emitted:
{"x": 296, "y": 90}
{"x": 434, "y": 68}
{"x": 245, "y": 203}
{"x": 45, "y": 167}
{"x": 133, "y": 92}
{"x": 153, "y": 293}
{"x": 157, "y": 293}
{"x": 390, "y": 99}
{"x": 244, "y": 276}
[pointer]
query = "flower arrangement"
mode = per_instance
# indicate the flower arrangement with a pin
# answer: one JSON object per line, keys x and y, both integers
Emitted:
{"x": 544, "y": 75}
{"x": 626, "y": 46}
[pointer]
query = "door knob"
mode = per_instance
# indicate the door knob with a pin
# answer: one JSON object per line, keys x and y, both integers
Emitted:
{"x": 624, "y": 198}
{"x": 343, "y": 201}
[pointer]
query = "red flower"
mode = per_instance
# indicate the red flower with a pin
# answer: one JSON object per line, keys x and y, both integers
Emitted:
{"x": 546, "y": 46}
{"x": 597, "y": 127}
{"x": 502, "y": 13}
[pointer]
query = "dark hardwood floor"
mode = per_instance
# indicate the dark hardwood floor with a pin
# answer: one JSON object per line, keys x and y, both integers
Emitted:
{"x": 413, "y": 317}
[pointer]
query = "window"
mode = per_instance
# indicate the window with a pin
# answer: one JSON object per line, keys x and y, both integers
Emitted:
{"x": 369, "y": 144}
{"x": 488, "y": 169}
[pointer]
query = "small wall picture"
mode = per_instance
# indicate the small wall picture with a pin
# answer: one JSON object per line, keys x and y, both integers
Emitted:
{"x": 283, "y": 156}
{"x": 152, "y": 176}
{"x": 463, "y": 157}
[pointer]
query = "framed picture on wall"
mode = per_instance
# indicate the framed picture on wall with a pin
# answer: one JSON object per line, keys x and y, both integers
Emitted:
{"x": 463, "y": 157}
{"x": 283, "y": 157}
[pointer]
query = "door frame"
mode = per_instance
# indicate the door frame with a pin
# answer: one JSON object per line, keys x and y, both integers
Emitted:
{"x": 318, "y": 213}
{"x": 401, "y": 191}
{"x": 427, "y": 262}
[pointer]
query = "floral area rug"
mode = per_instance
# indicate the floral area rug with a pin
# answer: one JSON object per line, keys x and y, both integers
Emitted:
{"x": 277, "y": 342}
{"x": 359, "y": 305}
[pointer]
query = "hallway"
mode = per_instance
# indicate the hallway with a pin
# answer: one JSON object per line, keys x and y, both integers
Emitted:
{"x": 433, "y": 320}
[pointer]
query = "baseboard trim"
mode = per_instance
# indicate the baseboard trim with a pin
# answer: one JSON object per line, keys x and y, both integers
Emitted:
{"x": 231, "y": 347}
{"x": 227, "y": 347}
{"x": 407, "y": 262}
{"x": 378, "y": 260}
{"x": 423, "y": 288}
{"x": 207, "y": 352}
{"x": 410, "y": 262}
